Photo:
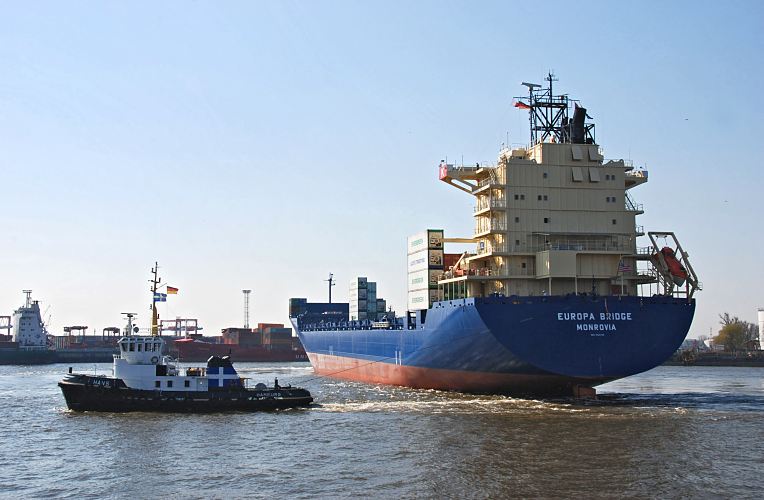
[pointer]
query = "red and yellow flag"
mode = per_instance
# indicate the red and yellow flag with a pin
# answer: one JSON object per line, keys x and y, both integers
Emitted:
{"x": 171, "y": 290}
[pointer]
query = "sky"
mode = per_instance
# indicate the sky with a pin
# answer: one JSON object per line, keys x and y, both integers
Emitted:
{"x": 263, "y": 145}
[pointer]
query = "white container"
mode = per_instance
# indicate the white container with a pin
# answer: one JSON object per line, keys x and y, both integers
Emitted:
{"x": 421, "y": 299}
{"x": 430, "y": 239}
{"x": 418, "y": 261}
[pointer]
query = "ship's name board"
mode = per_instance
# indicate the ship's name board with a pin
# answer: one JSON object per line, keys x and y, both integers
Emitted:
{"x": 99, "y": 382}
{"x": 592, "y": 317}
{"x": 591, "y": 322}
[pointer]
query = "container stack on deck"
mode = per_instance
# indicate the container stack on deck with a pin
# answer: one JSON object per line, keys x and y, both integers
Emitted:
{"x": 314, "y": 313}
{"x": 425, "y": 265}
{"x": 363, "y": 301}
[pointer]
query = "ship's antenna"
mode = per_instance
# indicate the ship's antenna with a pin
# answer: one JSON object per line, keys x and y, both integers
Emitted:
{"x": 246, "y": 307}
{"x": 129, "y": 327}
{"x": 331, "y": 284}
{"x": 154, "y": 315}
{"x": 551, "y": 78}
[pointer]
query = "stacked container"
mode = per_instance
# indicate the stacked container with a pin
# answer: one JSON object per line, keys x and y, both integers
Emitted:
{"x": 364, "y": 303}
{"x": 425, "y": 265}
{"x": 358, "y": 298}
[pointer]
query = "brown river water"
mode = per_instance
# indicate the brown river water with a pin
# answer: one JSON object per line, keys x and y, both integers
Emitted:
{"x": 671, "y": 432}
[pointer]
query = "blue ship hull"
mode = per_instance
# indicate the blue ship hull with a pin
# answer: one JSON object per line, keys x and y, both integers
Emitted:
{"x": 540, "y": 346}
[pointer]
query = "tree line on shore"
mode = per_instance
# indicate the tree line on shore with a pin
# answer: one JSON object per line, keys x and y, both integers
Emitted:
{"x": 736, "y": 334}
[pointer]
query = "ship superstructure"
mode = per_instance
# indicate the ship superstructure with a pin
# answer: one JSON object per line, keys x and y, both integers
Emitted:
{"x": 27, "y": 325}
{"x": 555, "y": 218}
{"x": 557, "y": 296}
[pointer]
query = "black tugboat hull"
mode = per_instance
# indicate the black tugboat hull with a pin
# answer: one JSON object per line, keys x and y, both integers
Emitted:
{"x": 110, "y": 395}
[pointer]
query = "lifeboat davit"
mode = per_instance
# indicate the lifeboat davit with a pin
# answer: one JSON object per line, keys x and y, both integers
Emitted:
{"x": 673, "y": 266}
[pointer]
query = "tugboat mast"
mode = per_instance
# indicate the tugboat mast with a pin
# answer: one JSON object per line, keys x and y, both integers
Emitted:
{"x": 154, "y": 315}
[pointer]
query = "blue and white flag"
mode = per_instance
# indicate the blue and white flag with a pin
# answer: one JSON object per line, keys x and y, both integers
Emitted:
{"x": 160, "y": 297}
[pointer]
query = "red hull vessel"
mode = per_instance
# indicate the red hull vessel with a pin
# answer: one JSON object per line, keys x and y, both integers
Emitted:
{"x": 201, "y": 351}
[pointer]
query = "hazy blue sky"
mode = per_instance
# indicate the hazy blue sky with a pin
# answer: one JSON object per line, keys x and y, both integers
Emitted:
{"x": 263, "y": 145}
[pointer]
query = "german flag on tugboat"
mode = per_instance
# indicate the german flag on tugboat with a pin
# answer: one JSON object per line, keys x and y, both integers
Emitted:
{"x": 171, "y": 290}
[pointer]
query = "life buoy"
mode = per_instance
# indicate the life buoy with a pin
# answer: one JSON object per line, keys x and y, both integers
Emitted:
{"x": 154, "y": 360}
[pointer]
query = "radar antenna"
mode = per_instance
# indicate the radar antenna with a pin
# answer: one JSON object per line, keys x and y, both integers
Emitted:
{"x": 549, "y": 115}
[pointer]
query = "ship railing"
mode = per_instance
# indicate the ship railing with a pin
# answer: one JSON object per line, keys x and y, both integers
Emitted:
{"x": 645, "y": 250}
{"x": 583, "y": 245}
{"x": 481, "y": 271}
{"x": 631, "y": 205}
{"x": 350, "y": 325}
{"x": 494, "y": 203}
{"x": 496, "y": 178}
{"x": 493, "y": 225}
{"x": 640, "y": 174}
{"x": 502, "y": 247}
{"x": 626, "y": 163}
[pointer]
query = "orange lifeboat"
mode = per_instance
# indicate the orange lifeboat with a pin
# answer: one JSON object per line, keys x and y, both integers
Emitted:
{"x": 673, "y": 266}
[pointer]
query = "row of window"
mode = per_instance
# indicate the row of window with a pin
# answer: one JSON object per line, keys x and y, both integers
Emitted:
{"x": 150, "y": 347}
{"x": 547, "y": 220}
{"x": 158, "y": 384}
{"x": 610, "y": 199}
{"x": 540, "y": 197}
{"x": 608, "y": 177}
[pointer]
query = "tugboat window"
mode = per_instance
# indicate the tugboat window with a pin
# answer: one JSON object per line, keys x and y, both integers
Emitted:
{"x": 169, "y": 383}
{"x": 139, "y": 347}
{"x": 132, "y": 346}
{"x": 187, "y": 383}
{"x": 157, "y": 384}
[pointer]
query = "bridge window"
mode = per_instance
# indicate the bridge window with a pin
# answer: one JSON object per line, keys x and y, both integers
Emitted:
{"x": 140, "y": 346}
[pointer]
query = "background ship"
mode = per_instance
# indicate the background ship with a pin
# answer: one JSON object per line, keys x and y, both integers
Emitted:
{"x": 556, "y": 296}
{"x": 28, "y": 340}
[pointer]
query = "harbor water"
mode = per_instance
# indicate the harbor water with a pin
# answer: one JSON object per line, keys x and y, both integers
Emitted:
{"x": 673, "y": 431}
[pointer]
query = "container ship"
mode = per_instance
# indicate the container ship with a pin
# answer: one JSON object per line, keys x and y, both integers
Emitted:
{"x": 553, "y": 297}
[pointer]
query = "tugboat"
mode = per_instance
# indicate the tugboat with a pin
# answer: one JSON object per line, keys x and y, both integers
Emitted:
{"x": 144, "y": 379}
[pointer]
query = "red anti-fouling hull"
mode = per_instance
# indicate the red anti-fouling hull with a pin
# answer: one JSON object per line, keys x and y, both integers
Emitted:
{"x": 360, "y": 370}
